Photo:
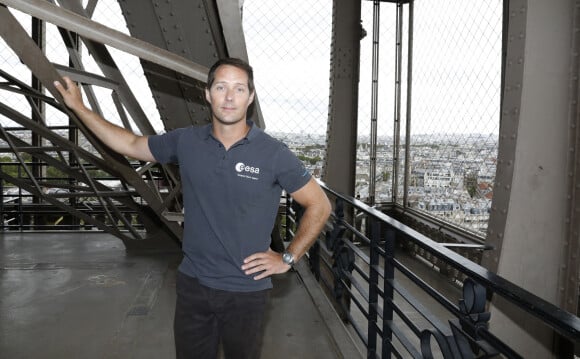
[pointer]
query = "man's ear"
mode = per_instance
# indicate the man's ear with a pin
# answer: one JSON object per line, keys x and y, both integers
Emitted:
{"x": 252, "y": 97}
{"x": 207, "y": 97}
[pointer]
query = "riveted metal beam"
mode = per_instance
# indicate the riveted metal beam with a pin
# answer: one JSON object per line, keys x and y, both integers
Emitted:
{"x": 512, "y": 77}
{"x": 233, "y": 34}
{"x": 17, "y": 38}
{"x": 183, "y": 28}
{"x": 531, "y": 220}
{"x": 340, "y": 166}
{"x": 92, "y": 30}
{"x": 569, "y": 281}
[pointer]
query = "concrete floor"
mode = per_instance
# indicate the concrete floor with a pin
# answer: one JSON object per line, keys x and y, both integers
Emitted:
{"x": 82, "y": 295}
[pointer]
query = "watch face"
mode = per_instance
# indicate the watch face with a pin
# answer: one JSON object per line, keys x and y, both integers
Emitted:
{"x": 287, "y": 258}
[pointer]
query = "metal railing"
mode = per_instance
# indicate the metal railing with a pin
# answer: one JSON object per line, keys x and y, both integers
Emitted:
{"x": 402, "y": 307}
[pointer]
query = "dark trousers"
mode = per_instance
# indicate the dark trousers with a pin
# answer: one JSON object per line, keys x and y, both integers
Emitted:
{"x": 205, "y": 316}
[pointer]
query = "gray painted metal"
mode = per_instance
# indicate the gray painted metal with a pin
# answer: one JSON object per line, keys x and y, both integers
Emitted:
{"x": 374, "y": 102}
{"x": 513, "y": 68}
{"x": 340, "y": 166}
{"x": 107, "y": 65}
{"x": 408, "y": 122}
{"x": 569, "y": 281}
{"x": 528, "y": 224}
{"x": 397, "y": 113}
{"x": 184, "y": 28}
{"x": 31, "y": 55}
{"x": 104, "y": 35}
{"x": 233, "y": 32}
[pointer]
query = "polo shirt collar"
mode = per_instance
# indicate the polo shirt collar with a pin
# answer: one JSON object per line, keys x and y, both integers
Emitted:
{"x": 252, "y": 133}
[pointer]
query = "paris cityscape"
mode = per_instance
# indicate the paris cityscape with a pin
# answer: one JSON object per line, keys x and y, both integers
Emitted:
{"x": 451, "y": 176}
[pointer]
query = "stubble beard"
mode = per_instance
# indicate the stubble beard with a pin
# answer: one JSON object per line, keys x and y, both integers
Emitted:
{"x": 225, "y": 122}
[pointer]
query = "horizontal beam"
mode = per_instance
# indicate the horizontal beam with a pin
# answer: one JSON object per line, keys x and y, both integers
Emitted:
{"x": 89, "y": 29}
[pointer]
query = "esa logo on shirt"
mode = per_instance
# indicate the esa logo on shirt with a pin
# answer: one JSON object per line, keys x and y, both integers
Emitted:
{"x": 247, "y": 171}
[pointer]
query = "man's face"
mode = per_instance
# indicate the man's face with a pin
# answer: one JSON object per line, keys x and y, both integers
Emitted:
{"x": 229, "y": 95}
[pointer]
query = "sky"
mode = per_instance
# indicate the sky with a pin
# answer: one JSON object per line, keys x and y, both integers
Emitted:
{"x": 456, "y": 67}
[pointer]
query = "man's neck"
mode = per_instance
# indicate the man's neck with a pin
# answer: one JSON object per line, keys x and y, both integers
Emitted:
{"x": 229, "y": 134}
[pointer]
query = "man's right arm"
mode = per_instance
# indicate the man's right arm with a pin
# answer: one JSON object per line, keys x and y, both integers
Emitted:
{"x": 117, "y": 138}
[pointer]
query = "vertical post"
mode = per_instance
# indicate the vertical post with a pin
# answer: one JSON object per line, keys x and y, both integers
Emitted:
{"x": 373, "y": 288}
{"x": 388, "y": 292}
{"x": 1, "y": 201}
{"x": 37, "y": 113}
{"x": 314, "y": 260}
{"x": 287, "y": 218}
{"x": 374, "y": 102}
{"x": 407, "y": 175}
{"x": 340, "y": 164}
{"x": 397, "y": 112}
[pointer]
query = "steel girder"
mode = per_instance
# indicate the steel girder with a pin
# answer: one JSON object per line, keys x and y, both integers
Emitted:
{"x": 175, "y": 56}
{"x": 193, "y": 30}
{"x": 157, "y": 205}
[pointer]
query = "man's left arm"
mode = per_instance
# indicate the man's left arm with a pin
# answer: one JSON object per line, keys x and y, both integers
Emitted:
{"x": 316, "y": 211}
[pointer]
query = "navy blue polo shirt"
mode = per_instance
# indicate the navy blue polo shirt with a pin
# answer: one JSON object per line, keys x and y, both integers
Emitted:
{"x": 231, "y": 199}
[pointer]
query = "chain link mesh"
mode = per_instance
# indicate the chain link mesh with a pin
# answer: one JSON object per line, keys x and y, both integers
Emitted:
{"x": 455, "y": 94}
{"x": 288, "y": 45}
{"x": 455, "y": 109}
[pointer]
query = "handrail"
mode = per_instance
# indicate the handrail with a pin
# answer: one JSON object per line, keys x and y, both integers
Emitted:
{"x": 364, "y": 275}
{"x": 562, "y": 321}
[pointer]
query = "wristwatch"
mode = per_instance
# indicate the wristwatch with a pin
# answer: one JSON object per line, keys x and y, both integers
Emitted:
{"x": 288, "y": 258}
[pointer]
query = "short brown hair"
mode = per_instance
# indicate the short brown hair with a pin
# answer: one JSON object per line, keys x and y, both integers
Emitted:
{"x": 232, "y": 61}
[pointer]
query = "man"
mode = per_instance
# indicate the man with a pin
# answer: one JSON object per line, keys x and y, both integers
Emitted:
{"x": 232, "y": 175}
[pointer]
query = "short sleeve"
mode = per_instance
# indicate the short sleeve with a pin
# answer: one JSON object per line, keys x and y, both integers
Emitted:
{"x": 165, "y": 147}
{"x": 291, "y": 173}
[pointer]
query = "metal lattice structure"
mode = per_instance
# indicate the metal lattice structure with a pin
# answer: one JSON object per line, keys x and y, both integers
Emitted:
{"x": 94, "y": 187}
{"x": 414, "y": 102}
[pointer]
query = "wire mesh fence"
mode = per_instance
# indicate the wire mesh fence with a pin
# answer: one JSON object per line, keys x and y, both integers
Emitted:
{"x": 454, "y": 107}
{"x": 288, "y": 45}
